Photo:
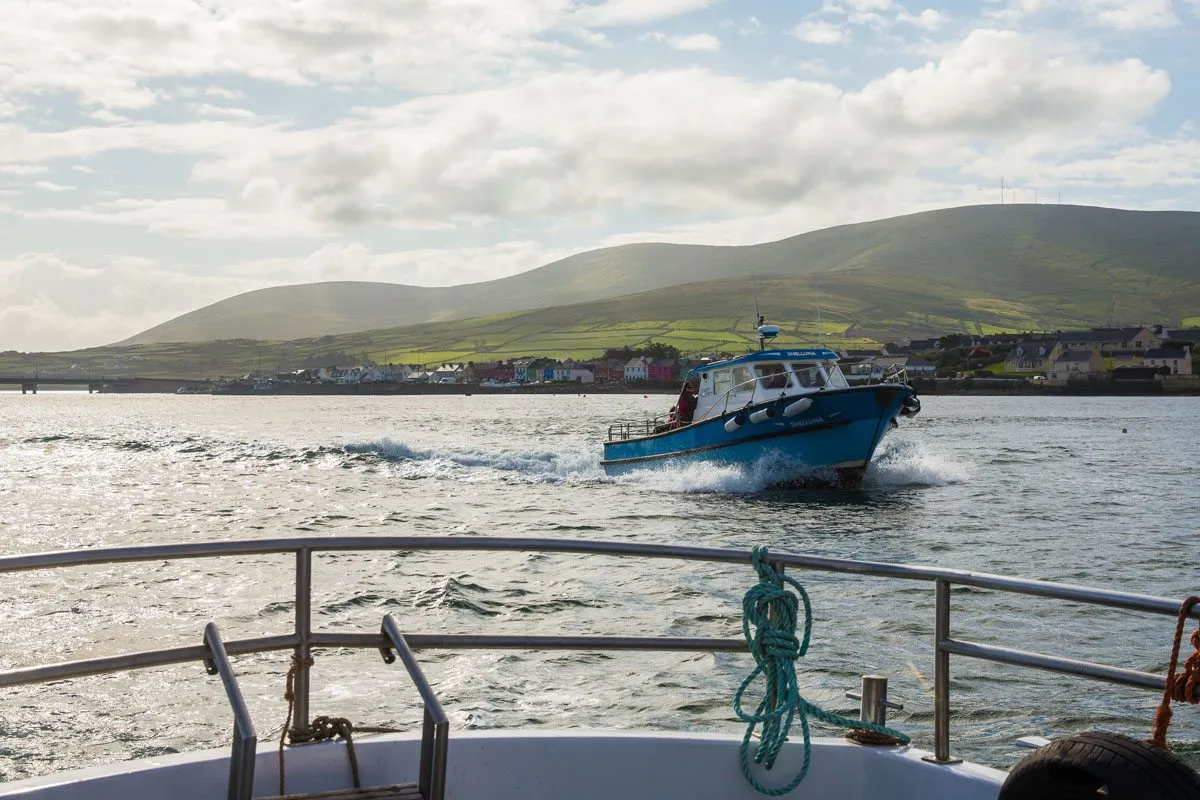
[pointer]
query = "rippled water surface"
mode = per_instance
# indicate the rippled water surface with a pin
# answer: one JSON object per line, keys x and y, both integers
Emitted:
{"x": 1101, "y": 491}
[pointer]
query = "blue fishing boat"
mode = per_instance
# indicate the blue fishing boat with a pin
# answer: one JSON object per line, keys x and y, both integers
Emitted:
{"x": 790, "y": 410}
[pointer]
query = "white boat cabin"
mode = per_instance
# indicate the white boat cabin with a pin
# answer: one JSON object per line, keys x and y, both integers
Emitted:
{"x": 759, "y": 377}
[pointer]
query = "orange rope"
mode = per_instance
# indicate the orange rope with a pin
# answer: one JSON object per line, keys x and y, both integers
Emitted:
{"x": 1184, "y": 687}
{"x": 289, "y": 694}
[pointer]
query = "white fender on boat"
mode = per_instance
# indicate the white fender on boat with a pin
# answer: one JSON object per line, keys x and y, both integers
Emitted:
{"x": 732, "y": 424}
{"x": 762, "y": 415}
{"x": 798, "y": 407}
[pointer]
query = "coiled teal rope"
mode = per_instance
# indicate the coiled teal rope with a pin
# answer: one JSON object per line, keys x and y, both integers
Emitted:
{"x": 773, "y": 611}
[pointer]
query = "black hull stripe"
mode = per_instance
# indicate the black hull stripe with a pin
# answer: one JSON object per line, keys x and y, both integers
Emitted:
{"x": 772, "y": 435}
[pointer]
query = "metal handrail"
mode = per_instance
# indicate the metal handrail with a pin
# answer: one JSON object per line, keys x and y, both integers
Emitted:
{"x": 435, "y": 725}
{"x": 304, "y": 638}
{"x": 245, "y": 737}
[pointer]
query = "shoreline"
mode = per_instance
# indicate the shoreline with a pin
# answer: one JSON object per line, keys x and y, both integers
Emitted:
{"x": 929, "y": 387}
{"x": 924, "y": 387}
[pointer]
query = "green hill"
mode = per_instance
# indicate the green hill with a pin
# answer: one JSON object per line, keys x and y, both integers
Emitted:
{"x": 1009, "y": 267}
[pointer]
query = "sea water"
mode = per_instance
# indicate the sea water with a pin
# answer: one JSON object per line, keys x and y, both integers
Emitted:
{"x": 1099, "y": 491}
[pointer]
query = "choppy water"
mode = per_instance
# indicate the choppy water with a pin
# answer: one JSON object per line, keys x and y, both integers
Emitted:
{"x": 1039, "y": 487}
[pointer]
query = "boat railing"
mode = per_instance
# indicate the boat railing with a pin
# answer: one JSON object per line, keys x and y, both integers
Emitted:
{"x": 303, "y": 639}
{"x": 245, "y": 737}
{"x": 435, "y": 725}
{"x": 636, "y": 429}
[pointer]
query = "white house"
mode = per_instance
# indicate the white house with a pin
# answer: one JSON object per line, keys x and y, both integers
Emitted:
{"x": 1075, "y": 365}
{"x": 1032, "y": 355}
{"x": 920, "y": 367}
{"x": 1178, "y": 361}
{"x": 638, "y": 369}
{"x": 582, "y": 373}
{"x": 447, "y": 373}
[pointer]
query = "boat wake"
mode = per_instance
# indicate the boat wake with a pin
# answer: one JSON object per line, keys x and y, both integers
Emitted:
{"x": 543, "y": 466}
{"x": 900, "y": 465}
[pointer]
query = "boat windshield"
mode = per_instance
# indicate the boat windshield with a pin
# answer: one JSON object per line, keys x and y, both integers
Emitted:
{"x": 742, "y": 381}
{"x": 721, "y": 382}
{"x": 809, "y": 376}
{"x": 772, "y": 376}
{"x": 836, "y": 379}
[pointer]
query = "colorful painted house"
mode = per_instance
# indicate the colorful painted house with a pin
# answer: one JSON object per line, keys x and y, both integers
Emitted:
{"x": 663, "y": 370}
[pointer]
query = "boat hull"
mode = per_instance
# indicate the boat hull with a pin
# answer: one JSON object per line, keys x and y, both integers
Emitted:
{"x": 542, "y": 765}
{"x": 832, "y": 441}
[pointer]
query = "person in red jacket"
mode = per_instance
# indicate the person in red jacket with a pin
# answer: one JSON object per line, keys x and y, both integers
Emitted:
{"x": 685, "y": 407}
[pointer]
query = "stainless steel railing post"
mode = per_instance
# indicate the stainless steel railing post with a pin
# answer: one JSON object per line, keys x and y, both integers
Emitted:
{"x": 874, "y": 703}
{"x": 245, "y": 737}
{"x": 941, "y": 675}
{"x": 300, "y": 716}
{"x": 435, "y": 725}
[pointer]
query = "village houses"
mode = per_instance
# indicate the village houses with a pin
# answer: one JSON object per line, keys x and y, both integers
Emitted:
{"x": 1075, "y": 365}
{"x": 1169, "y": 360}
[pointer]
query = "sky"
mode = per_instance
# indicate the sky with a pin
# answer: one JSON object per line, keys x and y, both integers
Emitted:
{"x": 160, "y": 155}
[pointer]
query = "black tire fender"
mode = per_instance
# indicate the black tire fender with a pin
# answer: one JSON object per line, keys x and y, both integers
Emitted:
{"x": 1082, "y": 764}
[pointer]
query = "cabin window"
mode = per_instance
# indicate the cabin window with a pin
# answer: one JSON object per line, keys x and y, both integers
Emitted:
{"x": 836, "y": 379}
{"x": 721, "y": 382}
{"x": 742, "y": 380}
{"x": 809, "y": 376}
{"x": 772, "y": 376}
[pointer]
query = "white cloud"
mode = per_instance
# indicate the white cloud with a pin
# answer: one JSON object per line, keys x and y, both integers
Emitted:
{"x": 997, "y": 82}
{"x": 750, "y": 26}
{"x": 1120, "y": 15}
{"x": 1128, "y": 15}
{"x": 22, "y": 169}
{"x": 107, "y": 55}
{"x": 819, "y": 32}
{"x": 210, "y": 110}
{"x": 419, "y": 267}
{"x": 47, "y": 186}
{"x": 698, "y": 41}
{"x": 105, "y": 303}
{"x": 1094, "y": 163}
{"x": 579, "y": 142}
{"x": 929, "y": 19}
{"x": 614, "y": 13}
{"x": 194, "y": 217}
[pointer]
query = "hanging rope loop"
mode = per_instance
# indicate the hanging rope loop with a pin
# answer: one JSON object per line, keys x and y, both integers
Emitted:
{"x": 1183, "y": 687}
{"x": 770, "y": 617}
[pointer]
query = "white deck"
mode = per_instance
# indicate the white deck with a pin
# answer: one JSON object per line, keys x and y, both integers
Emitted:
{"x": 563, "y": 765}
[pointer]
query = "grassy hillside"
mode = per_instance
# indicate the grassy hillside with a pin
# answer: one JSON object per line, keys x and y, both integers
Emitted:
{"x": 699, "y": 318}
{"x": 1010, "y": 265}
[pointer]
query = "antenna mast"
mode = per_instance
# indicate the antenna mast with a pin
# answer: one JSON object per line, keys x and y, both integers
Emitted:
{"x": 758, "y": 316}
{"x": 820, "y": 328}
